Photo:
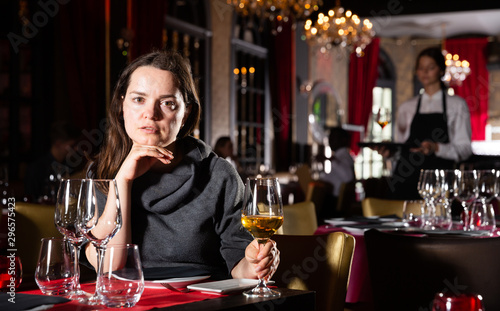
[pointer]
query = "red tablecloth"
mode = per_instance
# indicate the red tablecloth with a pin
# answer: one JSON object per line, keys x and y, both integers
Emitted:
{"x": 359, "y": 288}
{"x": 150, "y": 299}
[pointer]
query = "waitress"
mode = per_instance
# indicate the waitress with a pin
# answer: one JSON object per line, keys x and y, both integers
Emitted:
{"x": 434, "y": 125}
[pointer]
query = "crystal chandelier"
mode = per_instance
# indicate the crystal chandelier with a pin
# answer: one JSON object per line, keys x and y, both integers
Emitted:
{"x": 340, "y": 28}
{"x": 456, "y": 70}
{"x": 276, "y": 10}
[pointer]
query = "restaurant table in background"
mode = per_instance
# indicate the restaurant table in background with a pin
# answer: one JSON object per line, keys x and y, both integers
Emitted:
{"x": 165, "y": 299}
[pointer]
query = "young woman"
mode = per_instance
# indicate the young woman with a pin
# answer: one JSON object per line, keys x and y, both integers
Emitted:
{"x": 180, "y": 202}
{"x": 435, "y": 125}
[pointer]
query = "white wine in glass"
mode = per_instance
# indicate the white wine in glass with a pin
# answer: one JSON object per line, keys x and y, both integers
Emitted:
{"x": 262, "y": 216}
{"x": 383, "y": 117}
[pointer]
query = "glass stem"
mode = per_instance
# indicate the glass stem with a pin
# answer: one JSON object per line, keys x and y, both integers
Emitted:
{"x": 77, "y": 247}
{"x": 100, "y": 262}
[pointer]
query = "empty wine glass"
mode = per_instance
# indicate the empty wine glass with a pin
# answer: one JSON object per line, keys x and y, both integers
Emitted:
{"x": 66, "y": 219}
{"x": 488, "y": 184}
{"x": 99, "y": 218}
{"x": 467, "y": 193}
{"x": 448, "y": 190}
{"x": 428, "y": 188}
{"x": 262, "y": 215}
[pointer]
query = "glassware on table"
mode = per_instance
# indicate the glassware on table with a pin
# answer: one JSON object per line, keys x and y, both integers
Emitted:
{"x": 488, "y": 184}
{"x": 262, "y": 216}
{"x": 464, "y": 302}
{"x": 467, "y": 193}
{"x": 414, "y": 213}
{"x": 66, "y": 219}
{"x": 428, "y": 188}
{"x": 55, "y": 271}
{"x": 6, "y": 274}
{"x": 447, "y": 191}
{"x": 99, "y": 219}
{"x": 482, "y": 217}
{"x": 121, "y": 280}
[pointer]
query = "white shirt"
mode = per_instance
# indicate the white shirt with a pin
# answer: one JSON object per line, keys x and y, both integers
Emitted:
{"x": 342, "y": 170}
{"x": 459, "y": 128}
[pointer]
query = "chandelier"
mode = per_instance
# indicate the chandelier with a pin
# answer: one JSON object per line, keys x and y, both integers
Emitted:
{"x": 456, "y": 70}
{"x": 340, "y": 28}
{"x": 276, "y": 10}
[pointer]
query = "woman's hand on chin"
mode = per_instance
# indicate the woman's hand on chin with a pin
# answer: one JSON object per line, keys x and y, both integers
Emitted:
{"x": 140, "y": 159}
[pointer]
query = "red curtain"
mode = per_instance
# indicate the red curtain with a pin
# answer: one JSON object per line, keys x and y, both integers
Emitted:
{"x": 282, "y": 73}
{"x": 147, "y": 23}
{"x": 475, "y": 87}
{"x": 363, "y": 74}
{"x": 80, "y": 29}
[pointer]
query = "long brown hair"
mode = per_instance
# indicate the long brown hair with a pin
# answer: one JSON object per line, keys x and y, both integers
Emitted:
{"x": 117, "y": 144}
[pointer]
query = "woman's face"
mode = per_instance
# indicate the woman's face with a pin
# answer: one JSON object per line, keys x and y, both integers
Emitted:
{"x": 153, "y": 108}
{"x": 428, "y": 72}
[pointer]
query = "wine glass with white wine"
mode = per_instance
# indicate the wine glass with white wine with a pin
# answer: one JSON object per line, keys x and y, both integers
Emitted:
{"x": 262, "y": 216}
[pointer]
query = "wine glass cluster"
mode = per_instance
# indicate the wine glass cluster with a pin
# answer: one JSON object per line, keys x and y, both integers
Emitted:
{"x": 474, "y": 189}
{"x": 80, "y": 216}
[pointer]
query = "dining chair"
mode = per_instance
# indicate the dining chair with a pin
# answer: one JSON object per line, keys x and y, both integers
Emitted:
{"x": 33, "y": 222}
{"x": 383, "y": 207}
{"x": 321, "y": 193}
{"x": 300, "y": 219}
{"x": 406, "y": 271}
{"x": 321, "y": 263}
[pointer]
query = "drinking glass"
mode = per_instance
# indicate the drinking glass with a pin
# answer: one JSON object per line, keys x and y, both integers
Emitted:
{"x": 66, "y": 219}
{"x": 488, "y": 184}
{"x": 463, "y": 302}
{"x": 447, "y": 191}
{"x": 467, "y": 193}
{"x": 262, "y": 215}
{"x": 122, "y": 279}
{"x": 99, "y": 218}
{"x": 383, "y": 117}
{"x": 7, "y": 272}
{"x": 55, "y": 270}
{"x": 414, "y": 213}
{"x": 428, "y": 188}
{"x": 482, "y": 217}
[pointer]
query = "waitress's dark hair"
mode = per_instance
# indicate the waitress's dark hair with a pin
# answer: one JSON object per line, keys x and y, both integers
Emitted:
{"x": 437, "y": 55}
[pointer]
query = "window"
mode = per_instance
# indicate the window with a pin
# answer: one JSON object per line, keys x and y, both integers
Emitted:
{"x": 380, "y": 127}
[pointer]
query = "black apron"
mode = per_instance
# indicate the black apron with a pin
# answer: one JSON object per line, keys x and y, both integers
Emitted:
{"x": 432, "y": 127}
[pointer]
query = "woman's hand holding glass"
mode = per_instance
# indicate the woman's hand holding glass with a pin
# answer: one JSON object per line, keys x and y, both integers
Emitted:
{"x": 262, "y": 216}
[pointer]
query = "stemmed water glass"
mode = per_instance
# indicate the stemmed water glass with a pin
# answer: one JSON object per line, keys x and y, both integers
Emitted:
{"x": 448, "y": 190}
{"x": 99, "y": 219}
{"x": 428, "y": 188}
{"x": 467, "y": 193}
{"x": 262, "y": 215}
{"x": 65, "y": 219}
